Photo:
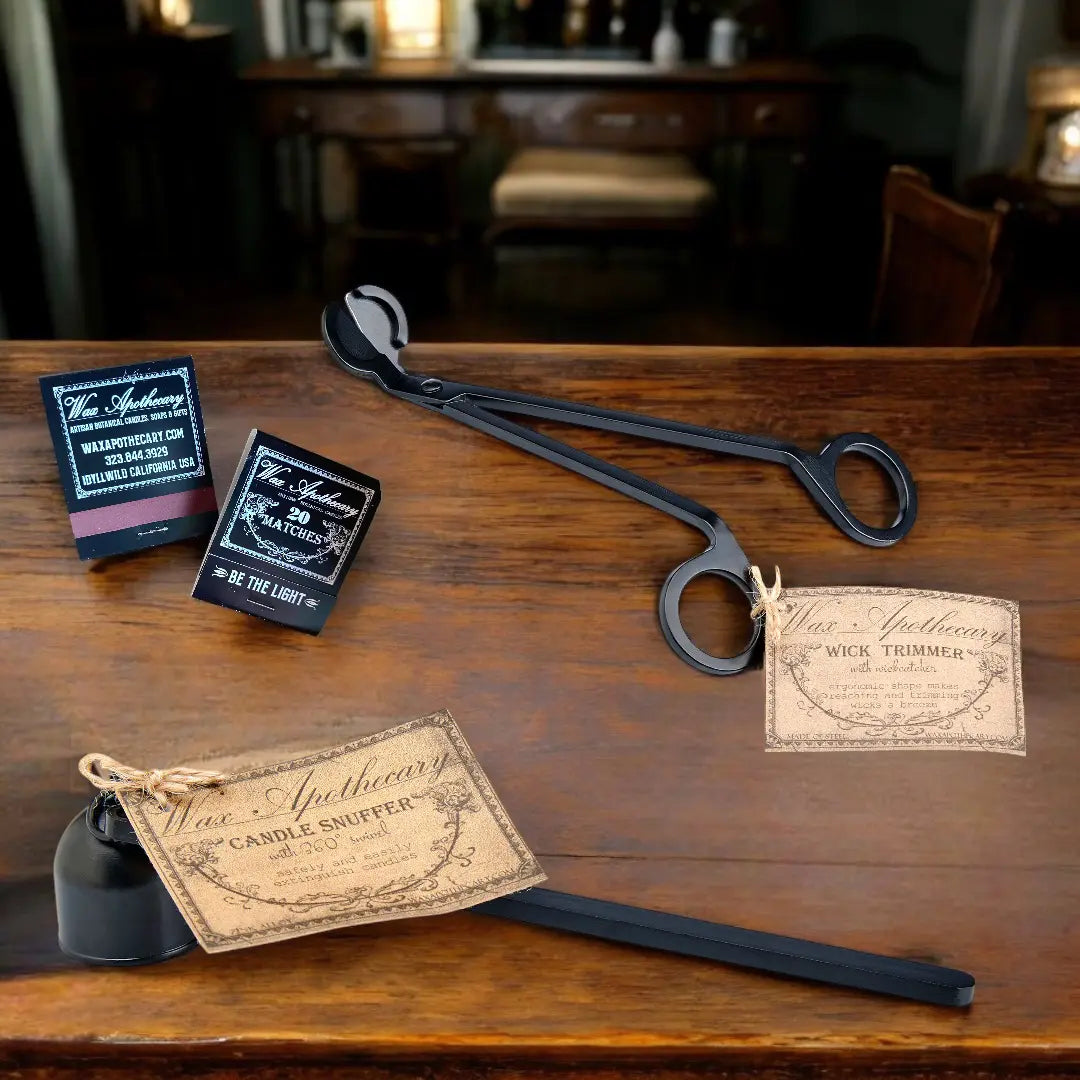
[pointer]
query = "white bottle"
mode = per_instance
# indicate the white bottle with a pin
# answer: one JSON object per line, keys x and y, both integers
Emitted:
{"x": 667, "y": 45}
{"x": 723, "y": 41}
{"x": 467, "y": 38}
{"x": 320, "y": 24}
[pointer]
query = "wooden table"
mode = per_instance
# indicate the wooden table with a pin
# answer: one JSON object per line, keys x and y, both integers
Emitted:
{"x": 522, "y": 598}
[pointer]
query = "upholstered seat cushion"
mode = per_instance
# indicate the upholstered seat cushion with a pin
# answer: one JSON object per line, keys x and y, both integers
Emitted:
{"x": 559, "y": 183}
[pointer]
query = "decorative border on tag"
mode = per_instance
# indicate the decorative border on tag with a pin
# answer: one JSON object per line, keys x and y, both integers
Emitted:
{"x": 200, "y": 469}
{"x": 527, "y": 869}
{"x": 1014, "y": 743}
{"x": 343, "y": 548}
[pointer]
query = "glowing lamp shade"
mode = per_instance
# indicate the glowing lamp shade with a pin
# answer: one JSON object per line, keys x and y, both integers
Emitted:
{"x": 168, "y": 15}
{"x": 1060, "y": 162}
{"x": 413, "y": 27}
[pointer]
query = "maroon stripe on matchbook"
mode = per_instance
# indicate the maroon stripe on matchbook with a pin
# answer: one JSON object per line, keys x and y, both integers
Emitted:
{"x": 143, "y": 511}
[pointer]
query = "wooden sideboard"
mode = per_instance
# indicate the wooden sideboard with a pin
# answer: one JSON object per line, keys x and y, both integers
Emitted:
{"x": 690, "y": 109}
{"x": 687, "y": 108}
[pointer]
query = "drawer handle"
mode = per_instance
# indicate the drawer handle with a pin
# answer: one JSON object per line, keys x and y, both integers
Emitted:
{"x": 616, "y": 120}
{"x": 766, "y": 113}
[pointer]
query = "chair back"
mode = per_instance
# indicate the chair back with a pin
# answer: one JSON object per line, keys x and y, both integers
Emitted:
{"x": 942, "y": 266}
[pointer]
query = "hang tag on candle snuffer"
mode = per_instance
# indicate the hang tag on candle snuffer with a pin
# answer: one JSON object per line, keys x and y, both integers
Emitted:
{"x": 398, "y": 824}
{"x": 867, "y": 668}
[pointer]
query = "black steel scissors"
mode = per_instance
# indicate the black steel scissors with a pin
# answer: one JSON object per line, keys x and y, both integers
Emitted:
{"x": 366, "y": 330}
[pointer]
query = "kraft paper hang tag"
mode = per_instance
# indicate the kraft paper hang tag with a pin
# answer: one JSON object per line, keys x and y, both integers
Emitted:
{"x": 394, "y": 825}
{"x": 854, "y": 668}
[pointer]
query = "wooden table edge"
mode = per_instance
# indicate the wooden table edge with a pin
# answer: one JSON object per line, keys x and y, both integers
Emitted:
{"x": 974, "y": 1054}
{"x": 495, "y": 349}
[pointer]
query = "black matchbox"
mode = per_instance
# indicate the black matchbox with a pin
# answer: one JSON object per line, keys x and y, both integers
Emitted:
{"x": 131, "y": 449}
{"x": 290, "y": 529}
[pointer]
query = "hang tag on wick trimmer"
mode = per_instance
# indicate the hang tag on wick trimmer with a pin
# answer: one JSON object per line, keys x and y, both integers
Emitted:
{"x": 865, "y": 668}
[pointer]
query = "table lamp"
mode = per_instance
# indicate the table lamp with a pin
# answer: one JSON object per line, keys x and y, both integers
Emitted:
{"x": 412, "y": 28}
{"x": 1053, "y": 143}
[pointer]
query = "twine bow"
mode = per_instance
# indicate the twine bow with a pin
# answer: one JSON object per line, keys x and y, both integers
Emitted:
{"x": 107, "y": 774}
{"x": 766, "y": 603}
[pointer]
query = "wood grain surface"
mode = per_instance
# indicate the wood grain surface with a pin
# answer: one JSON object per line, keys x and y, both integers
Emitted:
{"x": 523, "y": 599}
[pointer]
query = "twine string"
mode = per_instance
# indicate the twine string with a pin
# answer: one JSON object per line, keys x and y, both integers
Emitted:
{"x": 766, "y": 602}
{"x": 107, "y": 774}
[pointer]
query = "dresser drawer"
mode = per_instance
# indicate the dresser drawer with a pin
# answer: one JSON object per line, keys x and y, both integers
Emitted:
{"x": 760, "y": 114}
{"x": 359, "y": 114}
{"x": 628, "y": 120}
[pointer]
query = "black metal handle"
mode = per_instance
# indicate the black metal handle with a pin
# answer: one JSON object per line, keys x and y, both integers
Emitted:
{"x": 723, "y": 556}
{"x": 720, "y": 559}
{"x": 733, "y": 945}
{"x": 354, "y": 351}
{"x": 818, "y": 474}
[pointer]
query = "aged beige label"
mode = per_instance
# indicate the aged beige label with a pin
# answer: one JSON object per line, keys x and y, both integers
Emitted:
{"x": 400, "y": 823}
{"x": 893, "y": 669}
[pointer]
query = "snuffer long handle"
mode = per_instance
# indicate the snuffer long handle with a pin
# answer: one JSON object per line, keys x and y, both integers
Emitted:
{"x": 732, "y": 945}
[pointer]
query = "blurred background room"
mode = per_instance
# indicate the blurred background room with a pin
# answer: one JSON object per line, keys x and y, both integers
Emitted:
{"x": 750, "y": 172}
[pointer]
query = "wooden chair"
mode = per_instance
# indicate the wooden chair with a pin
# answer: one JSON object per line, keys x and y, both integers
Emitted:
{"x": 942, "y": 266}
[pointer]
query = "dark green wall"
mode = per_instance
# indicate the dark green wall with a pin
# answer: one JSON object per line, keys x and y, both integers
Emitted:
{"x": 915, "y": 114}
